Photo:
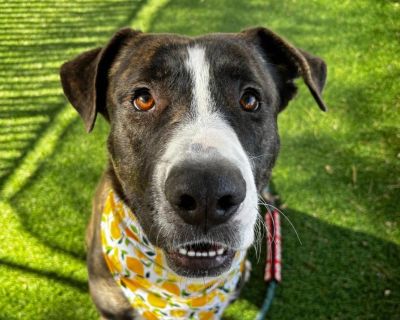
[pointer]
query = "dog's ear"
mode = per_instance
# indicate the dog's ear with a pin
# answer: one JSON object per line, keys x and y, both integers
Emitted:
{"x": 291, "y": 63}
{"x": 85, "y": 78}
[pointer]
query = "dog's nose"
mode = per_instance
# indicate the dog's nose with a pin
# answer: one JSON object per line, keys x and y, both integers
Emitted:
{"x": 205, "y": 193}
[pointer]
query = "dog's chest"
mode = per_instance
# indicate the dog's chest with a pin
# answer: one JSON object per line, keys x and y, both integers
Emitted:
{"x": 140, "y": 270}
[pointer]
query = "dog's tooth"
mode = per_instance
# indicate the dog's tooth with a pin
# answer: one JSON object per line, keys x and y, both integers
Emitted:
{"x": 183, "y": 251}
{"x": 198, "y": 254}
{"x": 204, "y": 254}
{"x": 211, "y": 253}
{"x": 220, "y": 251}
{"x": 191, "y": 253}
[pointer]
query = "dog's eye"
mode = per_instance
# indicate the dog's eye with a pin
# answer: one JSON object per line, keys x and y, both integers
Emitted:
{"x": 143, "y": 101}
{"x": 249, "y": 102}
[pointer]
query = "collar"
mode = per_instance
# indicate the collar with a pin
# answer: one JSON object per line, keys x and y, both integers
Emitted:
{"x": 151, "y": 287}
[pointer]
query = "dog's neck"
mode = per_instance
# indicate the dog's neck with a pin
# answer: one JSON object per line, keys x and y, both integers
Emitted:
{"x": 115, "y": 183}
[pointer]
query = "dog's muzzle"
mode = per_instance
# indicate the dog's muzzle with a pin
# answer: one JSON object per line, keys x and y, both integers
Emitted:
{"x": 205, "y": 195}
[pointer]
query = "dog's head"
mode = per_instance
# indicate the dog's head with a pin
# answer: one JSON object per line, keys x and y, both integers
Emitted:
{"x": 193, "y": 133}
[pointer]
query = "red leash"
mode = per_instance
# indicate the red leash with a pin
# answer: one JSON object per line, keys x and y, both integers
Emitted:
{"x": 273, "y": 266}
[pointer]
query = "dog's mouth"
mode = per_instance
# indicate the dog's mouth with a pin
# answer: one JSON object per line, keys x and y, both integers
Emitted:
{"x": 200, "y": 259}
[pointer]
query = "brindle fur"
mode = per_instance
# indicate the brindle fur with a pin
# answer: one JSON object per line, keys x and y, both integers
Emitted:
{"x": 96, "y": 82}
{"x": 105, "y": 293}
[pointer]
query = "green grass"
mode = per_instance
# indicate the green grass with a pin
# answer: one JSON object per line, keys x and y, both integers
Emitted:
{"x": 338, "y": 173}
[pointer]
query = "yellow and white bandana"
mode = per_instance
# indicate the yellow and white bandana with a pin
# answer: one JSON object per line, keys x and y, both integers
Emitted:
{"x": 153, "y": 289}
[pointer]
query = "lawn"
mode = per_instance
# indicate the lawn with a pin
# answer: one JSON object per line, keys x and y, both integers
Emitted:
{"x": 338, "y": 173}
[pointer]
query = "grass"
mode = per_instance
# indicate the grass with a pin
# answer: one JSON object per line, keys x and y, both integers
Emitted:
{"x": 338, "y": 173}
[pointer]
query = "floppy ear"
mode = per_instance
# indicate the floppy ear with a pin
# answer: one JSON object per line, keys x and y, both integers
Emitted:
{"x": 85, "y": 78}
{"x": 291, "y": 63}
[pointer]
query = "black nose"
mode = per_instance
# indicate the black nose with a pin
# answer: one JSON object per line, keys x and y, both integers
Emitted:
{"x": 205, "y": 193}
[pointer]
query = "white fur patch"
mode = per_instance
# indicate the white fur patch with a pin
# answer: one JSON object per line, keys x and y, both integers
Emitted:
{"x": 200, "y": 71}
{"x": 207, "y": 127}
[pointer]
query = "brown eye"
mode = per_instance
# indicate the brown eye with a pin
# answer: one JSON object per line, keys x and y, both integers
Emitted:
{"x": 143, "y": 101}
{"x": 249, "y": 102}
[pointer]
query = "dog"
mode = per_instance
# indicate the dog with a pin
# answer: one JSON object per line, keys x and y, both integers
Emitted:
{"x": 193, "y": 139}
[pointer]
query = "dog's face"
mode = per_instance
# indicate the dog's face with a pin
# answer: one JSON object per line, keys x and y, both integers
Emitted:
{"x": 193, "y": 132}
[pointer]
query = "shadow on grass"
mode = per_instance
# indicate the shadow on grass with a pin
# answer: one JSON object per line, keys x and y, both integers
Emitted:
{"x": 50, "y": 275}
{"x": 30, "y": 61}
{"x": 55, "y": 204}
{"x": 335, "y": 274}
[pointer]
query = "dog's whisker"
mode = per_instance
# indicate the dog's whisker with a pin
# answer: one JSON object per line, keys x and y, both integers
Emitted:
{"x": 259, "y": 233}
{"x": 264, "y": 228}
{"x": 260, "y": 155}
{"x": 158, "y": 233}
{"x": 267, "y": 205}
{"x": 263, "y": 202}
{"x": 273, "y": 235}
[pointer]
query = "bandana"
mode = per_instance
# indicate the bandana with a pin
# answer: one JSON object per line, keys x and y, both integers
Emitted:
{"x": 151, "y": 287}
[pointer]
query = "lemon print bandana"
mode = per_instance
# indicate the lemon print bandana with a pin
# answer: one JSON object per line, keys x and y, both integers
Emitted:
{"x": 153, "y": 289}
